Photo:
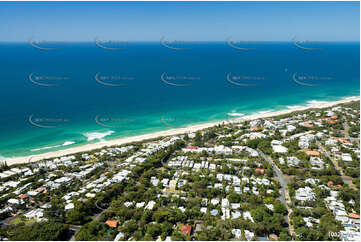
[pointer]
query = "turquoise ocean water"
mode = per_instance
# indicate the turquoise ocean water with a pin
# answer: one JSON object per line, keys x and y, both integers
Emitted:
{"x": 80, "y": 93}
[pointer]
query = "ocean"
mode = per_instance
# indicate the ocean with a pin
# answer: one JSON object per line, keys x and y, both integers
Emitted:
{"x": 63, "y": 95}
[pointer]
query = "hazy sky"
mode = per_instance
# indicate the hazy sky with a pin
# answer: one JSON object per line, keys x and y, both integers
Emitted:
{"x": 202, "y": 21}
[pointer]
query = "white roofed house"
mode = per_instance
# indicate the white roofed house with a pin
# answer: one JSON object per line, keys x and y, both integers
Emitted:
{"x": 255, "y": 123}
{"x": 249, "y": 235}
{"x": 342, "y": 216}
{"x": 247, "y": 215}
{"x": 215, "y": 201}
{"x": 330, "y": 142}
{"x": 32, "y": 193}
{"x": 154, "y": 181}
{"x": 304, "y": 141}
{"x": 63, "y": 180}
{"x": 90, "y": 195}
{"x": 305, "y": 194}
{"x": 182, "y": 182}
{"x": 15, "y": 202}
{"x": 225, "y": 203}
{"x": 150, "y": 205}
{"x": 212, "y": 166}
{"x": 320, "y": 135}
{"x": 140, "y": 204}
{"x": 312, "y": 181}
{"x": 317, "y": 163}
{"x": 36, "y": 213}
{"x": 329, "y": 113}
{"x": 270, "y": 206}
{"x": 236, "y": 181}
{"x": 120, "y": 176}
{"x": 69, "y": 206}
{"x": 276, "y": 142}
{"x": 290, "y": 128}
{"x": 238, "y": 190}
{"x": 226, "y": 213}
{"x": 165, "y": 182}
{"x": 303, "y": 144}
{"x": 268, "y": 124}
{"x": 218, "y": 185}
{"x": 346, "y": 157}
{"x": 221, "y": 149}
{"x": 279, "y": 149}
{"x": 250, "y": 151}
{"x": 293, "y": 161}
{"x": 237, "y": 233}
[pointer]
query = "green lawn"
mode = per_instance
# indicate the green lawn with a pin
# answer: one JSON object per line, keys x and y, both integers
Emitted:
{"x": 21, "y": 219}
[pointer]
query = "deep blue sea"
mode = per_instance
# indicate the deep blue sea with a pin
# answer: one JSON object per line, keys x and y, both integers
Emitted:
{"x": 80, "y": 93}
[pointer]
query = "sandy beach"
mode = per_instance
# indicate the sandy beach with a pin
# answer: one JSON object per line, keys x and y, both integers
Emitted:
{"x": 189, "y": 129}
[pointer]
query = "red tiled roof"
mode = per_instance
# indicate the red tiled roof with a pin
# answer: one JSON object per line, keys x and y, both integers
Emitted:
{"x": 343, "y": 140}
{"x": 354, "y": 215}
{"x": 112, "y": 223}
{"x": 40, "y": 189}
{"x": 313, "y": 152}
{"x": 273, "y": 237}
{"x": 23, "y": 196}
{"x": 186, "y": 229}
{"x": 308, "y": 125}
{"x": 192, "y": 147}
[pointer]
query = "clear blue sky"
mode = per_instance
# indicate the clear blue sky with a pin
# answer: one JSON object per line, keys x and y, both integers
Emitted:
{"x": 202, "y": 21}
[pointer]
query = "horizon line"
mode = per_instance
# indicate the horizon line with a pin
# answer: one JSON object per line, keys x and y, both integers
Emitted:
{"x": 179, "y": 41}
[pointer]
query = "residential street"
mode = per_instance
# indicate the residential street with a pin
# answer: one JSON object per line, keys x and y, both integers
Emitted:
{"x": 346, "y": 179}
{"x": 284, "y": 198}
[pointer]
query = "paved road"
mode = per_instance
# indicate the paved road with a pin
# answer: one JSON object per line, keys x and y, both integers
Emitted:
{"x": 346, "y": 134}
{"x": 74, "y": 228}
{"x": 346, "y": 128}
{"x": 346, "y": 179}
{"x": 279, "y": 175}
{"x": 284, "y": 198}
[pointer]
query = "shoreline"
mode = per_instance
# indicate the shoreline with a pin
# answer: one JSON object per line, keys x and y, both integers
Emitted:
{"x": 170, "y": 132}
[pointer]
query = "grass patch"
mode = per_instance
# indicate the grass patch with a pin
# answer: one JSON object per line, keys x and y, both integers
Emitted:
{"x": 22, "y": 219}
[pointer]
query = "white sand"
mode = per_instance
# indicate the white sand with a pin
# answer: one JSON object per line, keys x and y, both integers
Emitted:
{"x": 190, "y": 129}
